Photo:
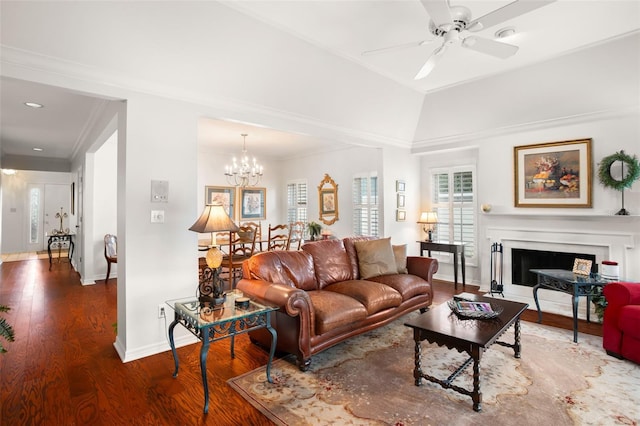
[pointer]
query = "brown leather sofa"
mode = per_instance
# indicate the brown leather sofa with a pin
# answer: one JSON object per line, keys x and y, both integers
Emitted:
{"x": 322, "y": 297}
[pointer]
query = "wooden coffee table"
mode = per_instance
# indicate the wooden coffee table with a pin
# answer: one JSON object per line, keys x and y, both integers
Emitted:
{"x": 445, "y": 328}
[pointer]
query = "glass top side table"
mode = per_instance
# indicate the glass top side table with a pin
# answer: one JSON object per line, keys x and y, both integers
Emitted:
{"x": 211, "y": 323}
{"x": 569, "y": 283}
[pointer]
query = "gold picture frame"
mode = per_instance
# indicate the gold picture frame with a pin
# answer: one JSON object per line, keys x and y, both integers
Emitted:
{"x": 225, "y": 195}
{"x": 328, "y": 200}
{"x": 582, "y": 267}
{"x": 555, "y": 174}
{"x": 253, "y": 204}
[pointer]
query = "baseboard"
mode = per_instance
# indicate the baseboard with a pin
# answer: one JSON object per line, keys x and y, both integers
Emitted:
{"x": 153, "y": 349}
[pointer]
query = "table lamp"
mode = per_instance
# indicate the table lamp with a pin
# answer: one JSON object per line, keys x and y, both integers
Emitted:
{"x": 213, "y": 219}
{"x": 428, "y": 219}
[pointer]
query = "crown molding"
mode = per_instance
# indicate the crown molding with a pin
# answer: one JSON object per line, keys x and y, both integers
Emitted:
{"x": 447, "y": 142}
{"x": 19, "y": 63}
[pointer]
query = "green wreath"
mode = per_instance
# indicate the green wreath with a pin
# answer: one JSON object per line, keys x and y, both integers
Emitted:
{"x": 633, "y": 171}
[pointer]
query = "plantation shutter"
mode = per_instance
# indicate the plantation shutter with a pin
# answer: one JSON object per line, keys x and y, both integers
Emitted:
{"x": 297, "y": 201}
{"x": 365, "y": 206}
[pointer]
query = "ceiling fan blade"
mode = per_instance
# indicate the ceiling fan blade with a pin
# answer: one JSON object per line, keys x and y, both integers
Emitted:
{"x": 490, "y": 47}
{"x": 431, "y": 63}
{"x": 510, "y": 11}
{"x": 396, "y": 47}
{"x": 439, "y": 13}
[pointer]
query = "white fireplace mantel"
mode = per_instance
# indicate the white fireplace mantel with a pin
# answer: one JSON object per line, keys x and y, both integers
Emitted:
{"x": 574, "y": 238}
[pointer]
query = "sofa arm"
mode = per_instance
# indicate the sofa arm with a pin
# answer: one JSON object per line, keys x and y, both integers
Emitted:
{"x": 622, "y": 294}
{"x": 424, "y": 267}
{"x": 290, "y": 299}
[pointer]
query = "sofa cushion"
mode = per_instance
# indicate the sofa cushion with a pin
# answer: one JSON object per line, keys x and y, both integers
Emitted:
{"x": 349, "y": 246}
{"x": 292, "y": 268}
{"x": 374, "y": 296}
{"x": 334, "y": 310}
{"x": 400, "y": 254}
{"x": 406, "y": 284}
{"x": 375, "y": 258}
{"x": 330, "y": 261}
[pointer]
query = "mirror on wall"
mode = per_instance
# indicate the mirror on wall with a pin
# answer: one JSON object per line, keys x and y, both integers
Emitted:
{"x": 328, "y": 200}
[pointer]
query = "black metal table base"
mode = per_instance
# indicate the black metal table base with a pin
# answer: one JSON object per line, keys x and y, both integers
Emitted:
{"x": 225, "y": 329}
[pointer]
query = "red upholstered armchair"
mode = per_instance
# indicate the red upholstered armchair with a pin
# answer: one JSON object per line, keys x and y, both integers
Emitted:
{"x": 621, "y": 325}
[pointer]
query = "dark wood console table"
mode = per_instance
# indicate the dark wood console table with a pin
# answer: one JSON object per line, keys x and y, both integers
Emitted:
{"x": 456, "y": 248}
{"x": 570, "y": 283}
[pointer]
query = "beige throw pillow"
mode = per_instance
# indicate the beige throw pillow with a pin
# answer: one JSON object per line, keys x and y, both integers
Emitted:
{"x": 400, "y": 253}
{"x": 375, "y": 258}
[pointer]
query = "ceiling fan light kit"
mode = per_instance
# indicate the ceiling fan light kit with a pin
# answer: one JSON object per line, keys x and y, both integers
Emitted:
{"x": 453, "y": 25}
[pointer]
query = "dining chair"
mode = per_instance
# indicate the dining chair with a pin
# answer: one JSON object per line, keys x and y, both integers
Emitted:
{"x": 257, "y": 227}
{"x": 110, "y": 252}
{"x": 296, "y": 234}
{"x": 278, "y": 237}
{"x": 241, "y": 246}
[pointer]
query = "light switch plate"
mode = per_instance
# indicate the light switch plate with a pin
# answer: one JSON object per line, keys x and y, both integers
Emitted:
{"x": 157, "y": 216}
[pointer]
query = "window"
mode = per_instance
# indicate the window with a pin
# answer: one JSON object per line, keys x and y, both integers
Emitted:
{"x": 365, "y": 205}
{"x": 453, "y": 198}
{"x": 34, "y": 216}
{"x": 297, "y": 201}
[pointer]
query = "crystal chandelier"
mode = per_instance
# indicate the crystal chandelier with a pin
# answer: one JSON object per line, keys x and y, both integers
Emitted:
{"x": 245, "y": 172}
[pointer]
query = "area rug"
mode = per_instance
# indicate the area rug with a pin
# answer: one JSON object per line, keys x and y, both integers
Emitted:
{"x": 368, "y": 380}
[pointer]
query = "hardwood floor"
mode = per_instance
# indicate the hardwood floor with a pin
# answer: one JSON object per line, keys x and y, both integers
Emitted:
{"x": 63, "y": 369}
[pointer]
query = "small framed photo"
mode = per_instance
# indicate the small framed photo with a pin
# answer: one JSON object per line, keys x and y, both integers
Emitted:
{"x": 582, "y": 267}
{"x": 401, "y": 215}
{"x": 253, "y": 203}
{"x": 400, "y": 200}
{"x": 400, "y": 186}
{"x": 225, "y": 195}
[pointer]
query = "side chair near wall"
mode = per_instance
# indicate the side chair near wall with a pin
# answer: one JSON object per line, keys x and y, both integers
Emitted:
{"x": 110, "y": 252}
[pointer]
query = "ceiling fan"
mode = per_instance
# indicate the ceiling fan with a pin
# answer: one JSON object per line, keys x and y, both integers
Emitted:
{"x": 453, "y": 24}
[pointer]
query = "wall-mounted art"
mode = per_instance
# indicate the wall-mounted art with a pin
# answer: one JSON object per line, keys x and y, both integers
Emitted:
{"x": 328, "y": 200}
{"x": 253, "y": 203}
{"x": 225, "y": 195}
{"x": 555, "y": 174}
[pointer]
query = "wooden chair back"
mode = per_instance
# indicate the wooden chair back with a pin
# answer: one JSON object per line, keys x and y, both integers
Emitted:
{"x": 278, "y": 237}
{"x": 296, "y": 234}
{"x": 257, "y": 227}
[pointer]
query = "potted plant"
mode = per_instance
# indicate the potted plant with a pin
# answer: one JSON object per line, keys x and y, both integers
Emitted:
{"x": 599, "y": 302}
{"x": 6, "y": 330}
{"x": 314, "y": 230}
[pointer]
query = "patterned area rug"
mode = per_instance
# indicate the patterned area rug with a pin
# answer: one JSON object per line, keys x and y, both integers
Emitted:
{"x": 368, "y": 380}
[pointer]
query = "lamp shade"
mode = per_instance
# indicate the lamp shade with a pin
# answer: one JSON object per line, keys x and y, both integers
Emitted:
{"x": 214, "y": 219}
{"x": 428, "y": 217}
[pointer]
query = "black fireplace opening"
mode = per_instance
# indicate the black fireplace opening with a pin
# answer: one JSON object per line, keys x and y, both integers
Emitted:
{"x": 522, "y": 260}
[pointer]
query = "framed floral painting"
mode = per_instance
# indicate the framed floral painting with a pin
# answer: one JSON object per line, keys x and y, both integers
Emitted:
{"x": 225, "y": 195}
{"x": 253, "y": 203}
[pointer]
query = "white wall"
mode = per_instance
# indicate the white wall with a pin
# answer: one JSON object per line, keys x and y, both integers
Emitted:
{"x": 105, "y": 203}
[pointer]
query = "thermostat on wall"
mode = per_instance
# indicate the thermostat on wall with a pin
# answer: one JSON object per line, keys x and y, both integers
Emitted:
{"x": 159, "y": 191}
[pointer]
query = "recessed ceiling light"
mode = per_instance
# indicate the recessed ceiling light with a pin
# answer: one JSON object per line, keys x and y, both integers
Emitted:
{"x": 505, "y": 32}
{"x": 33, "y": 105}
{"x": 38, "y": 149}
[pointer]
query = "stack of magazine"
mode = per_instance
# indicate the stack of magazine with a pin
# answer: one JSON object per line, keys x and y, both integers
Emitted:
{"x": 465, "y": 307}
